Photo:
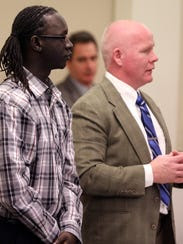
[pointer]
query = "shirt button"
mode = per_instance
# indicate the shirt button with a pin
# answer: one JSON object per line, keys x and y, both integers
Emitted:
{"x": 154, "y": 227}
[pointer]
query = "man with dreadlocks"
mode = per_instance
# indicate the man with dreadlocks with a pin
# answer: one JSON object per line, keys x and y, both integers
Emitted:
{"x": 39, "y": 187}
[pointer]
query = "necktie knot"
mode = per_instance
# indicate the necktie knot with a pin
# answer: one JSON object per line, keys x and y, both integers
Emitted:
{"x": 140, "y": 100}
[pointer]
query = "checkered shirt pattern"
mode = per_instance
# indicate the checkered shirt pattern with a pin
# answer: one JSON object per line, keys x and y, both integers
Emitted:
{"x": 38, "y": 181}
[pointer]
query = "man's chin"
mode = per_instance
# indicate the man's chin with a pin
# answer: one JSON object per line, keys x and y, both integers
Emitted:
{"x": 149, "y": 80}
{"x": 63, "y": 65}
{"x": 87, "y": 82}
{"x": 59, "y": 67}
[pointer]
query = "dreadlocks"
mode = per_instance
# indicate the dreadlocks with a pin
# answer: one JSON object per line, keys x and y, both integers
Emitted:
{"x": 28, "y": 22}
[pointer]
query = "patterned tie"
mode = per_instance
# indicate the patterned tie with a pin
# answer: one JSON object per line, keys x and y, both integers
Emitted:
{"x": 153, "y": 143}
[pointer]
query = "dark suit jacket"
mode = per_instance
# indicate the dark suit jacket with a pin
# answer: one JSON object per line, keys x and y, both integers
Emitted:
{"x": 110, "y": 152}
{"x": 69, "y": 90}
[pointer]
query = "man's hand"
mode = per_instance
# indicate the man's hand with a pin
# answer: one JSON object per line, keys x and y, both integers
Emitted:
{"x": 66, "y": 238}
{"x": 168, "y": 168}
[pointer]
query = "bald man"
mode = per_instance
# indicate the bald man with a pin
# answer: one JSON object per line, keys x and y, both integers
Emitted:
{"x": 119, "y": 136}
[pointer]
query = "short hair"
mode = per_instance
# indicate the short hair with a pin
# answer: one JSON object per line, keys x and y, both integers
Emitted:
{"x": 28, "y": 22}
{"x": 82, "y": 37}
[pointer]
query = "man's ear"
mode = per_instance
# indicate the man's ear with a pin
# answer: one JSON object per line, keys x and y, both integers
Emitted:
{"x": 35, "y": 42}
{"x": 118, "y": 56}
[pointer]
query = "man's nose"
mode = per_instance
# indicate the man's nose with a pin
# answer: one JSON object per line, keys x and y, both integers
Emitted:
{"x": 69, "y": 44}
{"x": 154, "y": 57}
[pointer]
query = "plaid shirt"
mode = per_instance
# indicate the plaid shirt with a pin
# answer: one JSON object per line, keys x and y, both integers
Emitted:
{"x": 38, "y": 181}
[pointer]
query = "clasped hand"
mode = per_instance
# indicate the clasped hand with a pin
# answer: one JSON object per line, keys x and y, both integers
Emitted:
{"x": 168, "y": 168}
{"x": 66, "y": 238}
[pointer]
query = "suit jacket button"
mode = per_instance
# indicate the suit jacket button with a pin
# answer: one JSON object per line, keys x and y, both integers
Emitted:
{"x": 154, "y": 227}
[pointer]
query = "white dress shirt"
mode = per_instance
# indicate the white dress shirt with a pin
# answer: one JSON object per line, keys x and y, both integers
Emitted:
{"x": 129, "y": 95}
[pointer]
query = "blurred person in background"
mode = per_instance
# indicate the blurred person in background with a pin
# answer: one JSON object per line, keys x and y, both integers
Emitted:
{"x": 82, "y": 67}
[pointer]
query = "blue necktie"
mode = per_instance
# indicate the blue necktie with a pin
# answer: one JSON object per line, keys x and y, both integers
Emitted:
{"x": 153, "y": 143}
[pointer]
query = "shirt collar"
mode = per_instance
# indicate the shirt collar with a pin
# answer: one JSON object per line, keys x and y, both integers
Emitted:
{"x": 81, "y": 88}
{"x": 127, "y": 92}
{"x": 37, "y": 86}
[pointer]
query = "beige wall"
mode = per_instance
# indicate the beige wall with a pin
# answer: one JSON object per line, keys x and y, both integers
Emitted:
{"x": 180, "y": 95}
{"x": 163, "y": 17}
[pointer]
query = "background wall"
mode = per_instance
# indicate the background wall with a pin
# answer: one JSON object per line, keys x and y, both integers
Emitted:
{"x": 165, "y": 20}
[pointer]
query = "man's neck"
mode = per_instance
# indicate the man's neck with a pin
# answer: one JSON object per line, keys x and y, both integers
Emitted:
{"x": 39, "y": 72}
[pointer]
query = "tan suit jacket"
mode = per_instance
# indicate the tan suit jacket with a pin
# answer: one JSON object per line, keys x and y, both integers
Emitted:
{"x": 110, "y": 152}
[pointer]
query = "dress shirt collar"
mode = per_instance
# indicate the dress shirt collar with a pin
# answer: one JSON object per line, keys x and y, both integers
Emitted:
{"x": 127, "y": 92}
{"x": 80, "y": 87}
{"x": 38, "y": 87}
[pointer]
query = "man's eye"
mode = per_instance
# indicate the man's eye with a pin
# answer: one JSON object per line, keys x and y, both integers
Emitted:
{"x": 81, "y": 60}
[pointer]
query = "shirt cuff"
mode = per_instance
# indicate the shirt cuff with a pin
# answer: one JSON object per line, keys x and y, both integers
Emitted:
{"x": 73, "y": 228}
{"x": 148, "y": 175}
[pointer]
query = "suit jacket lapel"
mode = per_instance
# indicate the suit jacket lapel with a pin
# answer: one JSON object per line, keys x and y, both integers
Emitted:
{"x": 126, "y": 121}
